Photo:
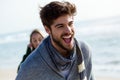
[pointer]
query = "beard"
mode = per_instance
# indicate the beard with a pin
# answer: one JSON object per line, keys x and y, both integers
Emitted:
{"x": 59, "y": 43}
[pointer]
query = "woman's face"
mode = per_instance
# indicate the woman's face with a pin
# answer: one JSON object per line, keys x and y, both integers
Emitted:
{"x": 36, "y": 38}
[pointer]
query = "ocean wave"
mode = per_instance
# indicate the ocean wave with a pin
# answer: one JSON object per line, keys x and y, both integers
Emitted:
{"x": 17, "y": 37}
{"x": 114, "y": 62}
{"x": 104, "y": 26}
{"x": 14, "y": 38}
{"x": 99, "y": 29}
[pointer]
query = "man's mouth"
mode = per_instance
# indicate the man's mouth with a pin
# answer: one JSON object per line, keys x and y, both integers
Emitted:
{"x": 67, "y": 39}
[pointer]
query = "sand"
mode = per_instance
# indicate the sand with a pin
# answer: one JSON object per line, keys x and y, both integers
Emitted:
{"x": 7, "y": 74}
{"x": 10, "y": 74}
{"x": 106, "y": 78}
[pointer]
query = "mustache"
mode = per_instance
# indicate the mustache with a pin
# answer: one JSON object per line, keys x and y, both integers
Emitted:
{"x": 67, "y": 34}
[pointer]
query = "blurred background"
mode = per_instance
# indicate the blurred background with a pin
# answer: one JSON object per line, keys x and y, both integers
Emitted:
{"x": 97, "y": 22}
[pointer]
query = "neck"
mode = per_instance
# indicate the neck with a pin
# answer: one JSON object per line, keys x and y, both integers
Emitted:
{"x": 66, "y": 53}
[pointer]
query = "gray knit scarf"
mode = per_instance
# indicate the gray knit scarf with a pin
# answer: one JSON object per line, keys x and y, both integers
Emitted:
{"x": 81, "y": 65}
{"x": 64, "y": 64}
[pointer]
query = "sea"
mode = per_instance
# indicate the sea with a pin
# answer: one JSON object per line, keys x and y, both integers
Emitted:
{"x": 102, "y": 35}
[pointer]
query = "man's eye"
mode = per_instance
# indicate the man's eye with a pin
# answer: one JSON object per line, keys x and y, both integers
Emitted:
{"x": 71, "y": 24}
{"x": 60, "y": 26}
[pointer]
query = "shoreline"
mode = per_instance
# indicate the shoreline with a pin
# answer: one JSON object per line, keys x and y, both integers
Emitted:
{"x": 106, "y": 78}
{"x": 10, "y": 74}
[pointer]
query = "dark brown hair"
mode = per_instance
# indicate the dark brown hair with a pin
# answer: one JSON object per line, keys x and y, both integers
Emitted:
{"x": 55, "y": 9}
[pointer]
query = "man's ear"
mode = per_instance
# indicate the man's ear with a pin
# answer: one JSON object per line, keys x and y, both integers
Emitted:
{"x": 47, "y": 30}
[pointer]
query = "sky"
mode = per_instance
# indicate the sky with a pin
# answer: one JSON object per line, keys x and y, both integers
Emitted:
{"x": 21, "y": 15}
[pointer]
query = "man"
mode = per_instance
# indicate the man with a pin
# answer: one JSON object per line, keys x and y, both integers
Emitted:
{"x": 60, "y": 56}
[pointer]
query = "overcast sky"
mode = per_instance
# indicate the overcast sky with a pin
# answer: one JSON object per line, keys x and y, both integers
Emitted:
{"x": 19, "y": 15}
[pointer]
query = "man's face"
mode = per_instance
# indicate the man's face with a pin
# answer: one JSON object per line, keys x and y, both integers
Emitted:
{"x": 62, "y": 33}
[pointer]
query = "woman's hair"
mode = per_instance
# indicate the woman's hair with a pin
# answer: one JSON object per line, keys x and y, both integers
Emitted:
{"x": 55, "y": 9}
{"x": 35, "y": 31}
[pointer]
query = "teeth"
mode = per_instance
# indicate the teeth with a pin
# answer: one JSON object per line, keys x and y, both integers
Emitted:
{"x": 67, "y": 36}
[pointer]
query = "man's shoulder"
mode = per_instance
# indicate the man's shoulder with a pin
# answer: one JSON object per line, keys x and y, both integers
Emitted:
{"x": 85, "y": 49}
{"x": 83, "y": 44}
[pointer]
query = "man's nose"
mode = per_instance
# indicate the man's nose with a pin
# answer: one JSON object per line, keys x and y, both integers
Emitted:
{"x": 68, "y": 29}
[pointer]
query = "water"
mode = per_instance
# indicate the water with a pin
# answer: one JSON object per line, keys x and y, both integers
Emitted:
{"x": 104, "y": 38}
{"x": 102, "y": 35}
{"x": 12, "y": 47}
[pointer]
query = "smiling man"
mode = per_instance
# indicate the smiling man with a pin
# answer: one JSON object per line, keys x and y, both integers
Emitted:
{"x": 60, "y": 56}
{"x": 62, "y": 34}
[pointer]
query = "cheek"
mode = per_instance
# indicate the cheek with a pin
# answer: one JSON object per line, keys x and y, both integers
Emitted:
{"x": 73, "y": 30}
{"x": 56, "y": 33}
{"x": 33, "y": 43}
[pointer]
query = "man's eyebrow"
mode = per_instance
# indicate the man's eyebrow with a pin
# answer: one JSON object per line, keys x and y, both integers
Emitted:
{"x": 62, "y": 24}
{"x": 58, "y": 25}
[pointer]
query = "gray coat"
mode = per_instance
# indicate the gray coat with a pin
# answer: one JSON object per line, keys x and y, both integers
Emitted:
{"x": 39, "y": 66}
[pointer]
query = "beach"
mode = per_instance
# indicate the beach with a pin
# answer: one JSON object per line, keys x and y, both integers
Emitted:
{"x": 97, "y": 25}
{"x": 107, "y": 78}
{"x": 10, "y": 74}
{"x": 103, "y": 38}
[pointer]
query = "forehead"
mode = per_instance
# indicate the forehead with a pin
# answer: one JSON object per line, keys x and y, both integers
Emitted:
{"x": 63, "y": 19}
{"x": 36, "y": 35}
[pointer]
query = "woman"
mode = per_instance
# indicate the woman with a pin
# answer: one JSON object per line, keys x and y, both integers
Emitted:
{"x": 35, "y": 38}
